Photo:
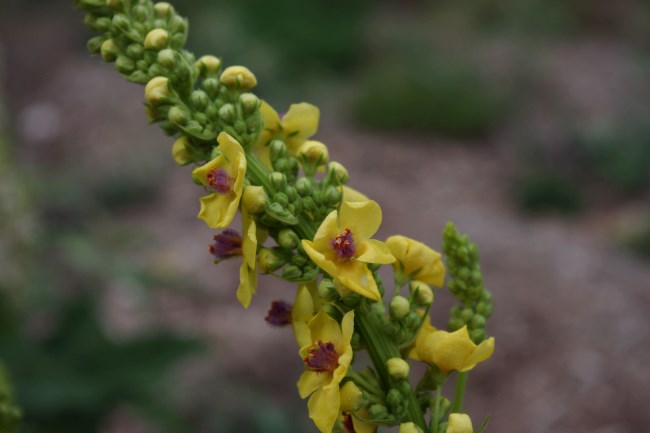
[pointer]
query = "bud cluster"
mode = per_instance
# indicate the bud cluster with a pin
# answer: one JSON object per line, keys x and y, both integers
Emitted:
{"x": 466, "y": 284}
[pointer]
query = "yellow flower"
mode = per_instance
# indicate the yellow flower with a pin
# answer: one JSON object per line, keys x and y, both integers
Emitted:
{"x": 450, "y": 350}
{"x": 342, "y": 246}
{"x": 351, "y": 194}
{"x": 416, "y": 260}
{"x": 459, "y": 423}
{"x": 247, "y": 272}
{"x": 294, "y": 128}
{"x": 327, "y": 358}
{"x": 304, "y": 306}
{"x": 241, "y": 76}
{"x": 225, "y": 176}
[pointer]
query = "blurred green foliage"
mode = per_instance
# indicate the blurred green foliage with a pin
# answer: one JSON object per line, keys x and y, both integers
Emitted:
{"x": 9, "y": 414}
{"x": 639, "y": 240}
{"x": 544, "y": 190}
{"x": 449, "y": 97}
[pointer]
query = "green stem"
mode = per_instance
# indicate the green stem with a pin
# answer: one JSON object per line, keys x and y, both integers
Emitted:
{"x": 366, "y": 384}
{"x": 435, "y": 418}
{"x": 381, "y": 348}
{"x": 457, "y": 406}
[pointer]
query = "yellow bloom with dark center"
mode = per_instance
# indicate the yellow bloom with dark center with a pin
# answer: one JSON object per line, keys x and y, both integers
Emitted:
{"x": 450, "y": 350}
{"x": 342, "y": 246}
{"x": 224, "y": 175}
{"x": 327, "y": 358}
{"x": 416, "y": 260}
{"x": 247, "y": 272}
{"x": 294, "y": 128}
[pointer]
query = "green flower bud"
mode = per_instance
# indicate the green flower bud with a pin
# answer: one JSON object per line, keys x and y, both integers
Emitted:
{"x": 240, "y": 126}
{"x": 227, "y": 113}
{"x": 135, "y": 51}
{"x": 333, "y": 196}
{"x": 211, "y": 86}
{"x": 478, "y": 335}
{"x": 103, "y": 24}
{"x": 208, "y": 65}
{"x": 399, "y": 307}
{"x": 156, "y": 39}
{"x": 277, "y": 180}
{"x": 269, "y": 261}
{"x": 351, "y": 397}
{"x": 299, "y": 260}
{"x": 177, "y": 24}
{"x": 124, "y": 65}
{"x": 199, "y": 99}
{"x": 412, "y": 320}
{"x": 291, "y": 272}
{"x": 249, "y": 102}
{"x": 94, "y": 45}
{"x": 291, "y": 192}
{"x": 394, "y": 398}
{"x": 140, "y": 13}
{"x": 288, "y": 239}
{"x": 378, "y": 308}
{"x": 277, "y": 149}
{"x": 314, "y": 152}
{"x": 423, "y": 293}
{"x": 156, "y": 90}
{"x": 180, "y": 153}
{"x": 163, "y": 9}
{"x": 466, "y": 315}
{"x": 327, "y": 290}
{"x": 455, "y": 323}
{"x": 398, "y": 368}
{"x": 238, "y": 77}
{"x": 254, "y": 199}
{"x": 167, "y": 58}
{"x": 109, "y": 50}
{"x": 114, "y": 4}
{"x": 478, "y": 321}
{"x": 178, "y": 115}
{"x": 338, "y": 172}
{"x": 378, "y": 412}
{"x": 121, "y": 22}
{"x": 304, "y": 186}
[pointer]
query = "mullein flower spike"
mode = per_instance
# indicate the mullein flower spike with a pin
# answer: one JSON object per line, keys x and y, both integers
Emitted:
{"x": 302, "y": 223}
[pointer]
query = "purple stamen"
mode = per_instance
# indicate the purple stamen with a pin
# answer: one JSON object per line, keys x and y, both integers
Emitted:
{"x": 219, "y": 180}
{"x": 226, "y": 244}
{"x": 347, "y": 423}
{"x": 343, "y": 245}
{"x": 322, "y": 358}
{"x": 279, "y": 314}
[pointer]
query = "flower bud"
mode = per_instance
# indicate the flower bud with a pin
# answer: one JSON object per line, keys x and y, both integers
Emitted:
{"x": 94, "y": 45}
{"x": 327, "y": 290}
{"x": 254, "y": 199}
{"x": 208, "y": 65}
{"x": 409, "y": 427}
{"x": 227, "y": 113}
{"x": 156, "y": 90}
{"x": 291, "y": 272}
{"x": 178, "y": 115}
{"x": 178, "y": 24}
{"x": 121, "y": 22}
{"x": 333, "y": 196}
{"x": 156, "y": 39}
{"x": 277, "y": 149}
{"x": 114, "y": 4}
{"x": 199, "y": 99}
{"x": 378, "y": 412}
{"x": 238, "y": 76}
{"x": 304, "y": 186}
{"x": 180, "y": 153}
{"x": 338, "y": 172}
{"x": 288, "y": 239}
{"x": 249, "y": 102}
{"x": 423, "y": 293}
{"x": 278, "y": 180}
{"x": 109, "y": 50}
{"x": 314, "y": 152}
{"x": 399, "y": 307}
{"x": 124, "y": 65}
{"x": 103, "y": 24}
{"x": 167, "y": 58}
{"x": 394, "y": 398}
{"x": 351, "y": 397}
{"x": 477, "y": 321}
{"x": 163, "y": 9}
{"x": 269, "y": 261}
{"x": 398, "y": 368}
{"x": 135, "y": 51}
{"x": 459, "y": 423}
{"x": 211, "y": 86}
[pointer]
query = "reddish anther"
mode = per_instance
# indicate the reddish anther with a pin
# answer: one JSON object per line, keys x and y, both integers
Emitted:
{"x": 322, "y": 358}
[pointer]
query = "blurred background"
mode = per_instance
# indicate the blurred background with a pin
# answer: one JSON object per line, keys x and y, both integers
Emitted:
{"x": 524, "y": 121}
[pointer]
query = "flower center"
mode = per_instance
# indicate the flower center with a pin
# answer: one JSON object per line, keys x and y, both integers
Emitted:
{"x": 347, "y": 423}
{"x": 343, "y": 245}
{"x": 219, "y": 180}
{"x": 226, "y": 244}
{"x": 322, "y": 358}
{"x": 279, "y": 314}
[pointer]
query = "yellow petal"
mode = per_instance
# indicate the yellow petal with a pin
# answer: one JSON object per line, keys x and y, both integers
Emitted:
{"x": 359, "y": 425}
{"x": 345, "y": 359}
{"x": 201, "y": 172}
{"x": 419, "y": 261}
{"x": 271, "y": 122}
{"x": 357, "y": 277}
{"x": 484, "y": 351}
{"x": 324, "y": 328}
{"x": 324, "y": 407}
{"x": 362, "y": 218}
{"x": 249, "y": 243}
{"x": 301, "y": 118}
{"x": 301, "y": 314}
{"x": 319, "y": 258}
{"x": 247, "y": 284}
{"x": 351, "y": 194}
{"x": 376, "y": 252}
{"x": 448, "y": 350}
{"x": 310, "y": 381}
{"x": 218, "y": 210}
{"x": 347, "y": 327}
{"x": 351, "y": 397}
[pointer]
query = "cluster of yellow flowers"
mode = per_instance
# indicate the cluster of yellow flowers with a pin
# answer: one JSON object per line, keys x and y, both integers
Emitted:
{"x": 302, "y": 223}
